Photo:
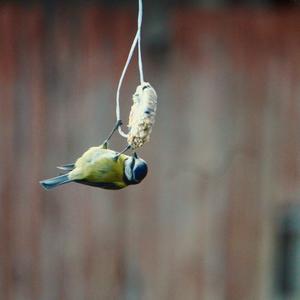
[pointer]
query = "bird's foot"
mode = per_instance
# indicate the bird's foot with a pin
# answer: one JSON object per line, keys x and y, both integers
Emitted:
{"x": 123, "y": 151}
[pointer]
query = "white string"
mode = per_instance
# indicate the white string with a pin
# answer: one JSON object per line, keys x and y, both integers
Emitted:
{"x": 118, "y": 113}
{"x": 137, "y": 40}
{"x": 140, "y": 19}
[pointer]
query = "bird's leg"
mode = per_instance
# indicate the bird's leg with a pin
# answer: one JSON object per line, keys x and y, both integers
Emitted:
{"x": 123, "y": 151}
{"x": 117, "y": 125}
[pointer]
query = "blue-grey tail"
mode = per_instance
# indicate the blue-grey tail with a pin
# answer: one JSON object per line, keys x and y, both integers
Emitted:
{"x": 55, "y": 181}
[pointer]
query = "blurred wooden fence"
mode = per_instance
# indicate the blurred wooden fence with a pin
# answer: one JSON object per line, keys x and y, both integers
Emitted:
{"x": 224, "y": 155}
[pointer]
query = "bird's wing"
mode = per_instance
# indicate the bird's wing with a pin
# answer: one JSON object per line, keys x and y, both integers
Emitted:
{"x": 89, "y": 156}
{"x": 67, "y": 167}
{"x": 98, "y": 165}
{"x": 106, "y": 169}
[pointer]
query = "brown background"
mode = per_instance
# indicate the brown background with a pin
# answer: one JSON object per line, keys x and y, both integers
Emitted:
{"x": 223, "y": 157}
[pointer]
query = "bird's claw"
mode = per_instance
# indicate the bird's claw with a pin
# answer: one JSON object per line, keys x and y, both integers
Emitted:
{"x": 119, "y": 123}
{"x": 104, "y": 144}
{"x": 115, "y": 158}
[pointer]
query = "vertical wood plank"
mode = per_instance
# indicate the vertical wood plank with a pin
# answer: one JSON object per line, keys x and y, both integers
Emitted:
{"x": 8, "y": 45}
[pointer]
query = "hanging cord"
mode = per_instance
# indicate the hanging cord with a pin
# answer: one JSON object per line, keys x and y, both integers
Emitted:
{"x": 137, "y": 40}
{"x": 140, "y": 19}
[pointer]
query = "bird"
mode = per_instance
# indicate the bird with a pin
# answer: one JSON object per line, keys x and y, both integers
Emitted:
{"x": 101, "y": 167}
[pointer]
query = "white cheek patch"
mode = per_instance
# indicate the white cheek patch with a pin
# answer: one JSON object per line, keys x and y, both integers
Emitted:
{"x": 142, "y": 115}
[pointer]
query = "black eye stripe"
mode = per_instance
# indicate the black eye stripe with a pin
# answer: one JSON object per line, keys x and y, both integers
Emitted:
{"x": 132, "y": 164}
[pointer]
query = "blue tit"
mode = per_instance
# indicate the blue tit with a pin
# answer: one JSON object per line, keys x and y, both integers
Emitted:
{"x": 103, "y": 168}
